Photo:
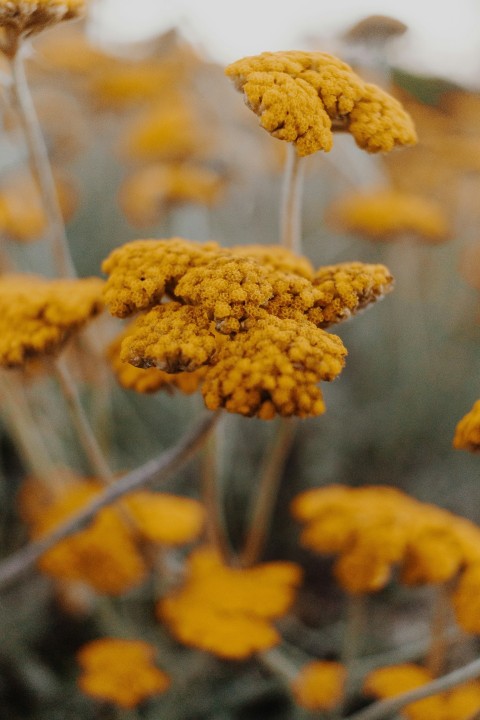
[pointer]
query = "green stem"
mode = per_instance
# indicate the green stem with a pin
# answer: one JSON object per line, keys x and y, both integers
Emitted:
{"x": 356, "y": 621}
{"x": 291, "y": 207}
{"x": 277, "y": 661}
{"x": 264, "y": 502}
{"x": 40, "y": 166}
{"x": 217, "y": 533}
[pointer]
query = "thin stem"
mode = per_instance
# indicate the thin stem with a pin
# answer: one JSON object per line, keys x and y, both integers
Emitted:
{"x": 435, "y": 661}
{"x": 85, "y": 433}
{"x": 217, "y": 532}
{"x": 386, "y": 708}
{"x": 356, "y": 621}
{"x": 264, "y": 503}
{"x": 277, "y": 661}
{"x": 291, "y": 207}
{"x": 160, "y": 468}
{"x": 40, "y": 166}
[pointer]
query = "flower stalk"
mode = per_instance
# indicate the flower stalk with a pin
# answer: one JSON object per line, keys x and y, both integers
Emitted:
{"x": 291, "y": 205}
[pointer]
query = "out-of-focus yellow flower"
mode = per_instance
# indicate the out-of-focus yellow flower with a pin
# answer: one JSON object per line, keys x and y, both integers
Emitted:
{"x": 38, "y": 316}
{"x": 150, "y": 380}
{"x": 387, "y": 214}
{"x": 460, "y": 703}
{"x": 66, "y": 49}
{"x": 319, "y": 685}
{"x": 301, "y": 97}
{"x": 21, "y": 18}
{"x": 22, "y": 216}
{"x": 119, "y": 85}
{"x": 466, "y": 599}
{"x": 147, "y": 193}
{"x": 347, "y": 289}
{"x": 373, "y": 528}
{"x": 164, "y": 518}
{"x": 142, "y": 271}
{"x": 467, "y": 432}
{"x": 229, "y": 611}
{"x": 120, "y": 671}
{"x": 275, "y": 366}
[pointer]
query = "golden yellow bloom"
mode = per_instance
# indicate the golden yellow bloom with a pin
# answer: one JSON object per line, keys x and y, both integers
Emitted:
{"x": 38, "y": 316}
{"x": 278, "y": 258}
{"x": 387, "y": 214}
{"x": 346, "y": 289}
{"x": 466, "y": 599}
{"x": 390, "y": 681}
{"x": 301, "y": 97}
{"x": 22, "y": 215}
{"x": 150, "y": 380}
{"x": 26, "y": 17}
{"x": 148, "y": 192}
{"x": 229, "y": 611}
{"x": 319, "y": 685}
{"x": 164, "y": 518}
{"x": 467, "y": 432}
{"x": 143, "y": 271}
{"x": 274, "y": 367}
{"x": 120, "y": 671}
{"x": 118, "y": 85}
{"x": 171, "y": 337}
{"x": 67, "y": 49}
{"x": 373, "y": 528}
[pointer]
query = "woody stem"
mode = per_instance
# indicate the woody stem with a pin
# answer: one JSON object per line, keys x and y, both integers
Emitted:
{"x": 40, "y": 166}
{"x": 84, "y": 431}
{"x": 291, "y": 207}
{"x": 264, "y": 502}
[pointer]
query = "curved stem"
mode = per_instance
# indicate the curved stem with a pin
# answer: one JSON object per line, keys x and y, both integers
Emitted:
{"x": 386, "y": 708}
{"x": 160, "y": 468}
{"x": 291, "y": 207}
{"x": 40, "y": 166}
{"x": 264, "y": 502}
{"x": 85, "y": 433}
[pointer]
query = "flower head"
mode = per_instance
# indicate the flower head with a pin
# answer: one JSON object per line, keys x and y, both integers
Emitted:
{"x": 229, "y": 611}
{"x": 301, "y": 97}
{"x": 38, "y": 316}
{"x": 319, "y": 685}
{"x": 120, "y": 671}
{"x": 467, "y": 432}
{"x": 388, "y": 214}
{"x": 21, "y": 18}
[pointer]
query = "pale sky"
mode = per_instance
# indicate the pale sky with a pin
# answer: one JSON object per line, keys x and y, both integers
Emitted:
{"x": 443, "y": 37}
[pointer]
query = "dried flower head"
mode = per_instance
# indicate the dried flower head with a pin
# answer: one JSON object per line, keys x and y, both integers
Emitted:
{"x": 467, "y": 432}
{"x": 21, "y": 18}
{"x": 38, "y": 316}
{"x": 347, "y": 289}
{"x": 301, "y": 97}
{"x": 275, "y": 366}
{"x": 319, "y": 685}
{"x": 150, "y": 380}
{"x": 148, "y": 192}
{"x": 229, "y": 611}
{"x": 143, "y": 271}
{"x": 120, "y": 671}
{"x": 388, "y": 214}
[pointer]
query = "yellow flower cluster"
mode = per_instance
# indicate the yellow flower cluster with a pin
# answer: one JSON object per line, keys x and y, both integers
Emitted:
{"x": 229, "y": 611}
{"x": 467, "y": 432}
{"x": 148, "y": 192}
{"x": 460, "y": 703}
{"x": 253, "y": 325}
{"x": 319, "y": 685}
{"x": 388, "y": 214}
{"x": 120, "y": 671}
{"x": 37, "y": 316}
{"x": 301, "y": 97}
{"x": 150, "y": 380}
{"x": 105, "y": 555}
{"x": 371, "y": 529}
{"x": 26, "y": 17}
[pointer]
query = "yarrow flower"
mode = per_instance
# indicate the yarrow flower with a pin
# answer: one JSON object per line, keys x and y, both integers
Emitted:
{"x": 120, "y": 671}
{"x": 371, "y": 529}
{"x": 467, "y": 432}
{"x": 319, "y": 685}
{"x": 302, "y": 97}
{"x": 38, "y": 316}
{"x": 389, "y": 214}
{"x": 22, "y": 18}
{"x": 229, "y": 611}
